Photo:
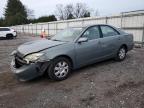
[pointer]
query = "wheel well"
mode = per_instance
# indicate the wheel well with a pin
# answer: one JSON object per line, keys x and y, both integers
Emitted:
{"x": 9, "y": 34}
{"x": 124, "y": 45}
{"x": 67, "y": 57}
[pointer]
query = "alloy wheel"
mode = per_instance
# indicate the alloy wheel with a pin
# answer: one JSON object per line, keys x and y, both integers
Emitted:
{"x": 61, "y": 69}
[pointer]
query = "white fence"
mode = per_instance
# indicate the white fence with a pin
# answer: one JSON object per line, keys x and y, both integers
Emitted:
{"x": 131, "y": 22}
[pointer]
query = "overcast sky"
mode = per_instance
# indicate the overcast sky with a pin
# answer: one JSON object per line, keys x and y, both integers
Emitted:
{"x": 105, "y": 7}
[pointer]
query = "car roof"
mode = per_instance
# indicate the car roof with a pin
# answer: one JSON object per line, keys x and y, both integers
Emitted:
{"x": 87, "y": 26}
{"x": 98, "y": 25}
{"x": 4, "y": 27}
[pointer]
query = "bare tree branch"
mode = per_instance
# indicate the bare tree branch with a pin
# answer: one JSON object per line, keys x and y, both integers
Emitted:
{"x": 69, "y": 11}
{"x": 80, "y": 10}
{"x": 97, "y": 13}
{"x": 60, "y": 11}
{"x": 30, "y": 13}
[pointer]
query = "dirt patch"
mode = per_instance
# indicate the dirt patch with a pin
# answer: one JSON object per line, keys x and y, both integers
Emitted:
{"x": 7, "y": 80}
{"x": 123, "y": 87}
{"x": 87, "y": 101}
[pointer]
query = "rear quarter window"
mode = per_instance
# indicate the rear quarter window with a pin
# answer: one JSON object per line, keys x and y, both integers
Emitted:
{"x": 121, "y": 31}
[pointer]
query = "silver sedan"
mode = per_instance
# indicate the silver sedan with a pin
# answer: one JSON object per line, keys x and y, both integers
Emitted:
{"x": 70, "y": 49}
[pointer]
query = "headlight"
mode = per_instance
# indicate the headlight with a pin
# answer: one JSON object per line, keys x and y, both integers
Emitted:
{"x": 33, "y": 57}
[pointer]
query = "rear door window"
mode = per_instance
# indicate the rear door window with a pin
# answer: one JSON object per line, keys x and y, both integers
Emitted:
{"x": 4, "y": 29}
{"x": 108, "y": 31}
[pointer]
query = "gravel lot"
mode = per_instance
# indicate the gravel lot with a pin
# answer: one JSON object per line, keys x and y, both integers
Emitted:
{"x": 107, "y": 84}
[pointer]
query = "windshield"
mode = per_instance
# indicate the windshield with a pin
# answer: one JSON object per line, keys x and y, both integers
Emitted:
{"x": 69, "y": 34}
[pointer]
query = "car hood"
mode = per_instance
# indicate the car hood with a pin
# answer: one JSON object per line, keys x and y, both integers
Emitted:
{"x": 36, "y": 46}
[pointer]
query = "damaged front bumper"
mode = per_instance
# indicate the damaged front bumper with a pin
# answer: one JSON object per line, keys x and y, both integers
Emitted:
{"x": 30, "y": 71}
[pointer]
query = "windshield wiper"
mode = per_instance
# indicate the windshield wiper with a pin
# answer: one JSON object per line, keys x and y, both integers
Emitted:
{"x": 59, "y": 40}
{"x": 55, "y": 40}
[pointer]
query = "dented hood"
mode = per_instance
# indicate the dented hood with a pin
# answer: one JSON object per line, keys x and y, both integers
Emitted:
{"x": 38, "y": 45}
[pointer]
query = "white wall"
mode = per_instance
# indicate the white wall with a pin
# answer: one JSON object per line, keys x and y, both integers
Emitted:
{"x": 132, "y": 22}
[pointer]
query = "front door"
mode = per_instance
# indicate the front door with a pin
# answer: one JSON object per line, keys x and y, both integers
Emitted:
{"x": 87, "y": 52}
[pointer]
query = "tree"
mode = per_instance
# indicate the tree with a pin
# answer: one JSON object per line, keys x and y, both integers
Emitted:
{"x": 15, "y": 13}
{"x": 64, "y": 12}
{"x": 47, "y": 18}
{"x": 1, "y": 22}
{"x": 60, "y": 12}
{"x": 30, "y": 13}
{"x": 43, "y": 19}
{"x": 97, "y": 13}
{"x": 87, "y": 14}
{"x": 70, "y": 11}
{"x": 81, "y": 11}
{"x": 52, "y": 18}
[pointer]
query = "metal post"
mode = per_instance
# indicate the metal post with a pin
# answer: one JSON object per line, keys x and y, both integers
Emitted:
{"x": 36, "y": 29}
{"x": 48, "y": 29}
{"x": 41, "y": 28}
{"x": 121, "y": 20}
{"x": 106, "y": 20}
{"x": 67, "y": 24}
{"x": 82, "y": 22}
{"x": 22, "y": 29}
{"x": 28, "y": 29}
{"x": 143, "y": 36}
{"x": 56, "y": 26}
{"x": 32, "y": 29}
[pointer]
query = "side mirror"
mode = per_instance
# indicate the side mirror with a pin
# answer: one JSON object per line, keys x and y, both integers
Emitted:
{"x": 82, "y": 39}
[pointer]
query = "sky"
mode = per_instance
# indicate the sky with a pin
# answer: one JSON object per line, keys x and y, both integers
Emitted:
{"x": 105, "y": 7}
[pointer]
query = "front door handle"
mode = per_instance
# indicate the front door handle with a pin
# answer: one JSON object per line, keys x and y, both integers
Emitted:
{"x": 99, "y": 42}
{"x": 102, "y": 44}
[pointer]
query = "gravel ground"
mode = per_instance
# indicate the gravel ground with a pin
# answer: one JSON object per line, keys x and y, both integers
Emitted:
{"x": 107, "y": 84}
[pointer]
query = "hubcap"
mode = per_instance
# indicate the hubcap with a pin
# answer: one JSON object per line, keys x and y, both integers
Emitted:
{"x": 61, "y": 69}
{"x": 122, "y": 53}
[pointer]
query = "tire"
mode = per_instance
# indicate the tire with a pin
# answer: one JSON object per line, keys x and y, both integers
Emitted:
{"x": 9, "y": 36}
{"x": 14, "y": 37}
{"x": 121, "y": 54}
{"x": 59, "y": 69}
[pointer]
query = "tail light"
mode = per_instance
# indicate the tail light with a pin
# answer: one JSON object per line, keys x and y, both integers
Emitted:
{"x": 13, "y": 30}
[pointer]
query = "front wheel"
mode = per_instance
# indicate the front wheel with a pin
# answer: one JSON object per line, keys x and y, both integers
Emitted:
{"x": 59, "y": 69}
{"x": 121, "y": 54}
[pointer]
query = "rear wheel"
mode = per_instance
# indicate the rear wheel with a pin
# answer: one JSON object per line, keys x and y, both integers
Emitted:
{"x": 121, "y": 54}
{"x": 59, "y": 69}
{"x": 9, "y": 36}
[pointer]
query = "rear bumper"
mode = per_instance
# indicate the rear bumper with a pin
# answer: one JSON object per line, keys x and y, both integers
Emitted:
{"x": 15, "y": 34}
{"x": 29, "y": 72}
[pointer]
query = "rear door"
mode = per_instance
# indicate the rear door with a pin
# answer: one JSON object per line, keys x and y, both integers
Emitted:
{"x": 110, "y": 41}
